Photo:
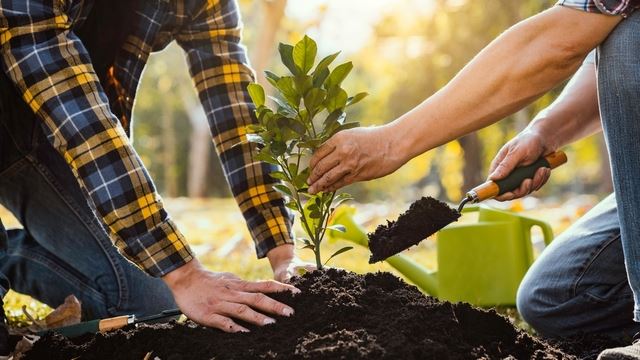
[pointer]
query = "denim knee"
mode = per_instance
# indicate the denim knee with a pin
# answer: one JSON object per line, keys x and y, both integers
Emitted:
{"x": 534, "y": 311}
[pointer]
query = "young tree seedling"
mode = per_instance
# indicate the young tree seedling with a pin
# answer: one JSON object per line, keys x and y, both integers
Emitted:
{"x": 310, "y": 107}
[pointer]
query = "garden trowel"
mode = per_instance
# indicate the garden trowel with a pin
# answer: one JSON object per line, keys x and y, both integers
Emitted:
{"x": 433, "y": 215}
{"x": 114, "y": 323}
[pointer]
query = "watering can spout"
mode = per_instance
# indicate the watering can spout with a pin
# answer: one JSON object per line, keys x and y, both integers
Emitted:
{"x": 425, "y": 279}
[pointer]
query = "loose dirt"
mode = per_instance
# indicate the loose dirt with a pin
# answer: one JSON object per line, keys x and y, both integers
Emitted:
{"x": 424, "y": 217}
{"x": 339, "y": 315}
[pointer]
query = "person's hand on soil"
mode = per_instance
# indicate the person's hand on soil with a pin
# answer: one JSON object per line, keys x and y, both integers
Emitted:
{"x": 353, "y": 155}
{"x": 527, "y": 147}
{"x": 286, "y": 264}
{"x": 214, "y": 299}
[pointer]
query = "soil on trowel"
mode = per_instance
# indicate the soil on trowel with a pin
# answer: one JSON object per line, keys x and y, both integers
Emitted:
{"x": 424, "y": 217}
{"x": 339, "y": 315}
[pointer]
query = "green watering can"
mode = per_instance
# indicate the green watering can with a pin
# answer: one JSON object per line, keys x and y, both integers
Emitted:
{"x": 481, "y": 263}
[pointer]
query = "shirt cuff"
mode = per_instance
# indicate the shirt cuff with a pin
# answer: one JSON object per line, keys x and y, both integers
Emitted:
{"x": 159, "y": 251}
{"x": 271, "y": 228}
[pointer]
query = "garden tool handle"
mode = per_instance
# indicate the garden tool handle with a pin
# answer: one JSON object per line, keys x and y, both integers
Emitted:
{"x": 491, "y": 189}
{"x": 93, "y": 326}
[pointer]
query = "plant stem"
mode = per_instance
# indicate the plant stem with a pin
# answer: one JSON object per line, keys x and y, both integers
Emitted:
{"x": 303, "y": 217}
{"x": 325, "y": 222}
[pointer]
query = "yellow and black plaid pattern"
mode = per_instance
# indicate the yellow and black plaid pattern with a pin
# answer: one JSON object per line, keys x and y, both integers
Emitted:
{"x": 51, "y": 68}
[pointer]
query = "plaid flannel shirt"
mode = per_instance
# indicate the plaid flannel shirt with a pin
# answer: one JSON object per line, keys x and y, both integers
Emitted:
{"x": 87, "y": 121}
{"x": 608, "y": 7}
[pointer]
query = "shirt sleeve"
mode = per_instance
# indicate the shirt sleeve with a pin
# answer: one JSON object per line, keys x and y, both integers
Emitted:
{"x": 220, "y": 70}
{"x": 52, "y": 70}
{"x": 608, "y": 7}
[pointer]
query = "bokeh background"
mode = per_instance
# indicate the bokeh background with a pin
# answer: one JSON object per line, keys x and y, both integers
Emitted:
{"x": 403, "y": 51}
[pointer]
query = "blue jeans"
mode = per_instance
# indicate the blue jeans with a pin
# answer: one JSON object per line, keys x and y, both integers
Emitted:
{"x": 580, "y": 283}
{"x": 63, "y": 248}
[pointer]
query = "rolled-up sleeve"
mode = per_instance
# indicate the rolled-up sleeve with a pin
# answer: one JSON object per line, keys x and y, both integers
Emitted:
{"x": 607, "y": 7}
{"x": 52, "y": 70}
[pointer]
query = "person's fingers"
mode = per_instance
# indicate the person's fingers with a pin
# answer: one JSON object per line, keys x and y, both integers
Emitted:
{"x": 323, "y": 151}
{"x": 329, "y": 180}
{"x": 506, "y": 166}
{"x": 505, "y": 197}
{"x": 498, "y": 159}
{"x": 322, "y": 167}
{"x": 245, "y": 313}
{"x": 223, "y": 323}
{"x": 546, "y": 174}
{"x": 265, "y": 286}
{"x": 538, "y": 177}
{"x": 263, "y": 303}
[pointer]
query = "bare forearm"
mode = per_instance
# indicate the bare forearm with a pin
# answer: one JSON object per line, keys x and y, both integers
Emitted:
{"x": 574, "y": 114}
{"x": 519, "y": 66}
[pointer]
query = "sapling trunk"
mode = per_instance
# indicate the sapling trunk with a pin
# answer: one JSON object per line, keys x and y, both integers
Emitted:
{"x": 288, "y": 136}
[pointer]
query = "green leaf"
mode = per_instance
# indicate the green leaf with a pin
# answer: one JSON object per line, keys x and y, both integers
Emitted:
{"x": 338, "y": 75}
{"x": 292, "y": 205}
{"x": 315, "y": 214}
{"x": 313, "y": 248}
{"x": 278, "y": 148}
{"x": 255, "y": 138}
{"x": 262, "y": 156}
{"x": 356, "y": 98}
{"x": 286, "y": 55}
{"x": 335, "y": 117}
{"x": 341, "y": 251}
{"x": 320, "y": 77}
{"x": 293, "y": 169}
{"x": 300, "y": 180}
{"x": 336, "y": 99}
{"x": 257, "y": 94}
{"x": 255, "y": 128}
{"x": 286, "y": 86}
{"x": 338, "y": 228}
{"x": 310, "y": 144}
{"x": 347, "y": 126}
{"x": 341, "y": 198}
{"x": 272, "y": 78}
{"x": 324, "y": 63}
{"x": 314, "y": 99}
{"x": 304, "y": 54}
{"x": 303, "y": 84}
{"x": 283, "y": 189}
{"x": 283, "y": 107}
{"x": 279, "y": 175}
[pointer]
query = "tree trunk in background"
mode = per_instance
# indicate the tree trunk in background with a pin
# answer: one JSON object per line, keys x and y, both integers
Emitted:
{"x": 606, "y": 186}
{"x": 262, "y": 48}
{"x": 169, "y": 156}
{"x": 199, "y": 146}
{"x": 472, "y": 173}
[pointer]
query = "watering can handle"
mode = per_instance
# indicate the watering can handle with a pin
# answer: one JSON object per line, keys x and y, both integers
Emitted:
{"x": 547, "y": 232}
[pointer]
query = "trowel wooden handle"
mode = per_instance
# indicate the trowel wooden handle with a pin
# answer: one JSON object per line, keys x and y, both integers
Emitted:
{"x": 491, "y": 189}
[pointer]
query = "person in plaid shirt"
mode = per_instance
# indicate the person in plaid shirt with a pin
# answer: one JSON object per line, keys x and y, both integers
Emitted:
{"x": 70, "y": 73}
{"x": 580, "y": 282}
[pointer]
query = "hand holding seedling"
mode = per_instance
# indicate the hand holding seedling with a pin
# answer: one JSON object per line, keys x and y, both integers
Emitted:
{"x": 353, "y": 155}
{"x": 215, "y": 299}
{"x": 310, "y": 109}
{"x": 286, "y": 264}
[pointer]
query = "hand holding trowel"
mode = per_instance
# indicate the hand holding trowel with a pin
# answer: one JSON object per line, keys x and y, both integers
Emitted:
{"x": 428, "y": 215}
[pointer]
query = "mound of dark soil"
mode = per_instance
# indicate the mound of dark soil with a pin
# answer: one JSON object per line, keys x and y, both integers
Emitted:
{"x": 339, "y": 315}
{"x": 424, "y": 217}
